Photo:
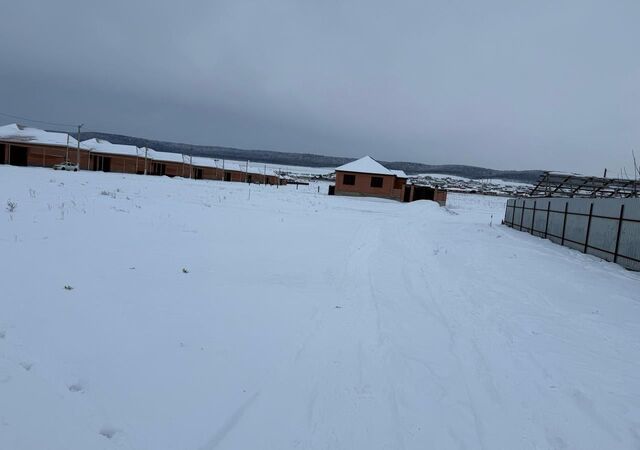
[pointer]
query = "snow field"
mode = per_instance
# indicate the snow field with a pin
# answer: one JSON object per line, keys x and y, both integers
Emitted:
{"x": 300, "y": 321}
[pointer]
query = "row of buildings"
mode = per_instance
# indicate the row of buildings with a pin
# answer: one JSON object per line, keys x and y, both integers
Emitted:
{"x": 27, "y": 146}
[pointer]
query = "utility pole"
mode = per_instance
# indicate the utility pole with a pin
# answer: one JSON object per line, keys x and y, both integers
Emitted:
{"x": 66, "y": 155}
{"x": 246, "y": 172}
{"x": 78, "y": 151}
{"x": 145, "y": 160}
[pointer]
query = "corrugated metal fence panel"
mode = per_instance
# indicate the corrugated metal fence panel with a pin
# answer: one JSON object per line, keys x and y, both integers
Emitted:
{"x": 607, "y": 228}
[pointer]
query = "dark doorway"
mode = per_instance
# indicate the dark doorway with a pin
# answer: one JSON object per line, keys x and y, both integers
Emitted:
{"x": 197, "y": 173}
{"x": 407, "y": 194}
{"x": 248, "y": 178}
{"x": 18, "y": 156}
{"x": 158, "y": 169}
{"x": 2, "y": 161}
{"x": 423, "y": 193}
{"x": 101, "y": 163}
{"x": 227, "y": 176}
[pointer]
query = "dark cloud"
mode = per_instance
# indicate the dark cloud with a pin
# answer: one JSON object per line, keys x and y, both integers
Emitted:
{"x": 540, "y": 84}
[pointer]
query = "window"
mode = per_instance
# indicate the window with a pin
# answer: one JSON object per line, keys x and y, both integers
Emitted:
{"x": 376, "y": 182}
{"x": 348, "y": 179}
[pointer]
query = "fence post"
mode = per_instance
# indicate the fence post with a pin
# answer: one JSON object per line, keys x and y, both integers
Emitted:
{"x": 533, "y": 217}
{"x": 620, "y": 220}
{"x": 522, "y": 213}
{"x": 513, "y": 212}
{"x": 546, "y": 225}
{"x": 586, "y": 238}
{"x": 564, "y": 222}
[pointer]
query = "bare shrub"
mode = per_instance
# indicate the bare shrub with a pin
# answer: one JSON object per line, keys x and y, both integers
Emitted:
{"x": 11, "y": 206}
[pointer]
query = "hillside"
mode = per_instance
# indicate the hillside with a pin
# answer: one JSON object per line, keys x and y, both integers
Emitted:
{"x": 313, "y": 160}
{"x": 156, "y": 313}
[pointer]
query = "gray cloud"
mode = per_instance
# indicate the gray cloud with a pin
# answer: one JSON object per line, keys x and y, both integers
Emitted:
{"x": 542, "y": 84}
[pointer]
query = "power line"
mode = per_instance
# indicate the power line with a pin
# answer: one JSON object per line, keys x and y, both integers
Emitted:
{"x": 39, "y": 121}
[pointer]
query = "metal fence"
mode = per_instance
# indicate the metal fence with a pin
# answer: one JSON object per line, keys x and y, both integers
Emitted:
{"x": 607, "y": 228}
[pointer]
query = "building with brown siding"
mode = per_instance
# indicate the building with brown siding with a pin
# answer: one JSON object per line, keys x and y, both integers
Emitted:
{"x": 27, "y": 146}
{"x": 217, "y": 169}
{"x": 107, "y": 157}
{"x": 367, "y": 177}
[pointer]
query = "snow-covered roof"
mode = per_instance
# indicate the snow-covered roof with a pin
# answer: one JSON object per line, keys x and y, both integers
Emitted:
{"x": 20, "y": 133}
{"x": 398, "y": 173}
{"x": 103, "y": 146}
{"x": 365, "y": 164}
{"x": 237, "y": 166}
{"x": 167, "y": 156}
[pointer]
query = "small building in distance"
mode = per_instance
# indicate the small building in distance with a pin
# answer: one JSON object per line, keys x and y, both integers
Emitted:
{"x": 367, "y": 177}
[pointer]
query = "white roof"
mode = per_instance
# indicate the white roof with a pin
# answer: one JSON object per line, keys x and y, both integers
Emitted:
{"x": 102, "y": 146}
{"x": 237, "y": 166}
{"x": 166, "y": 156}
{"x": 399, "y": 173}
{"x": 20, "y": 133}
{"x": 365, "y": 165}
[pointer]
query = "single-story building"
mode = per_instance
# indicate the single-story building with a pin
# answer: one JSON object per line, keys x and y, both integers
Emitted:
{"x": 26, "y": 146}
{"x": 169, "y": 164}
{"x": 226, "y": 170}
{"x": 367, "y": 177}
{"x": 108, "y": 157}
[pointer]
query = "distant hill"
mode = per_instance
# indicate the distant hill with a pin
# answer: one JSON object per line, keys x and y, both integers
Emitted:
{"x": 312, "y": 160}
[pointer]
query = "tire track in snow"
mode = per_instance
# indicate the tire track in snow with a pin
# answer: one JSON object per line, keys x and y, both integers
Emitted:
{"x": 230, "y": 423}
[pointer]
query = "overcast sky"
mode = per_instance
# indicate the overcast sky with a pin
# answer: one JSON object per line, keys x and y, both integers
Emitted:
{"x": 496, "y": 83}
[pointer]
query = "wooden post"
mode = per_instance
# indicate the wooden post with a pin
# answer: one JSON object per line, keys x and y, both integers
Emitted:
{"x": 78, "y": 148}
{"x": 586, "y": 238}
{"x": 620, "y": 220}
{"x": 564, "y": 222}
{"x": 524, "y": 202}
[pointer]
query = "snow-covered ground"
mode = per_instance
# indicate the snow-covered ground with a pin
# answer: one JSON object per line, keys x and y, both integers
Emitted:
{"x": 300, "y": 321}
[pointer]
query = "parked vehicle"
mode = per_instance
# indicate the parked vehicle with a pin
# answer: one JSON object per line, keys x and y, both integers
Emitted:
{"x": 66, "y": 166}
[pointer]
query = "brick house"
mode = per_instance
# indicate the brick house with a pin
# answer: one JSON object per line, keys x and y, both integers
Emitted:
{"x": 367, "y": 177}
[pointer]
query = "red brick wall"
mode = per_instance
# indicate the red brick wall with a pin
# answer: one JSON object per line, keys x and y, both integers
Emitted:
{"x": 440, "y": 197}
{"x": 363, "y": 187}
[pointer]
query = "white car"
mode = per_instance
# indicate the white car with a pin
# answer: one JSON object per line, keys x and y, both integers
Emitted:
{"x": 66, "y": 166}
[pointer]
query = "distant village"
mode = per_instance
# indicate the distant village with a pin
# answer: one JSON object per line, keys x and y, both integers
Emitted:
{"x": 441, "y": 182}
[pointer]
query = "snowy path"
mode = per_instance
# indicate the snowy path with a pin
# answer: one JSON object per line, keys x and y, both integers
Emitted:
{"x": 304, "y": 321}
